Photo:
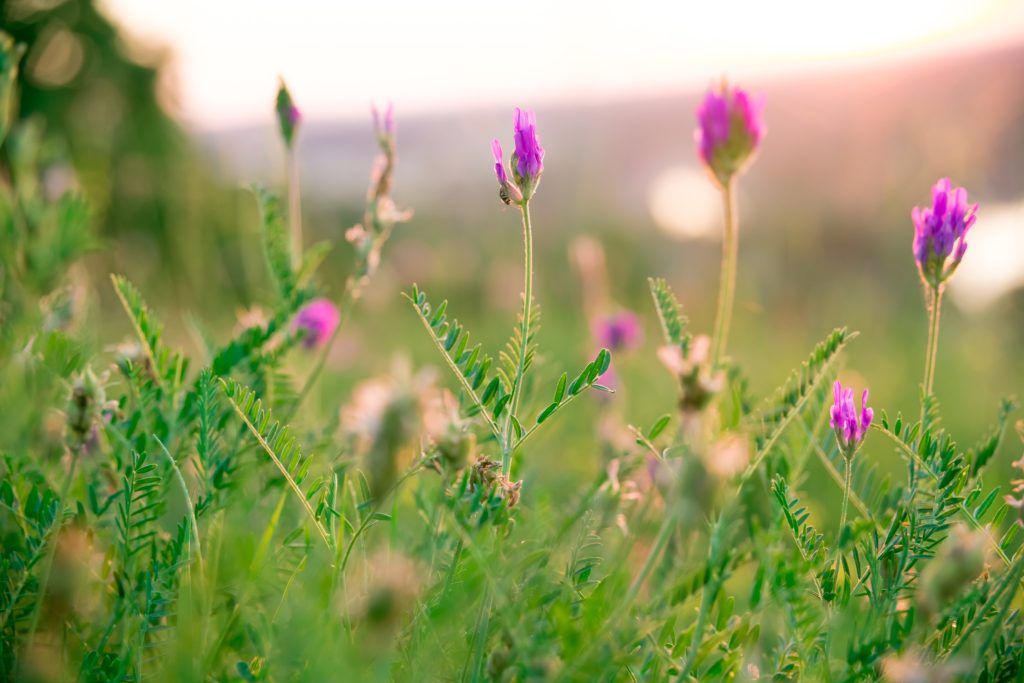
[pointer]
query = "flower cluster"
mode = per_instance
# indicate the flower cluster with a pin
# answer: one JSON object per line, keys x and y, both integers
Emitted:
{"x": 729, "y": 130}
{"x": 849, "y": 429}
{"x": 527, "y": 161}
{"x": 940, "y": 231}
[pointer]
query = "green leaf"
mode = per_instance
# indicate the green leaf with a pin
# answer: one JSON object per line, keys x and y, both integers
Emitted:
{"x": 560, "y": 389}
{"x": 658, "y": 427}
{"x": 276, "y": 241}
{"x": 547, "y": 412}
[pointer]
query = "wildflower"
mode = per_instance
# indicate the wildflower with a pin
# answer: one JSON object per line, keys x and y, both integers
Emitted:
{"x": 730, "y": 128}
{"x": 288, "y": 115}
{"x": 317, "y": 320}
{"x": 940, "y": 231}
{"x": 849, "y": 430}
{"x": 527, "y": 161}
{"x": 618, "y": 331}
{"x": 691, "y": 364}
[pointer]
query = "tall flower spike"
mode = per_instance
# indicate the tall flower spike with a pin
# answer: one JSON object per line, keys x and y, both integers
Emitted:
{"x": 848, "y": 426}
{"x": 940, "y": 232}
{"x": 730, "y": 127}
{"x": 527, "y": 162}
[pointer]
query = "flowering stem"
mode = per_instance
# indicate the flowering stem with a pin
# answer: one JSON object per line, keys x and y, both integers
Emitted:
{"x": 846, "y": 493}
{"x": 934, "y": 312}
{"x": 294, "y": 208}
{"x": 727, "y": 286}
{"x": 524, "y": 333}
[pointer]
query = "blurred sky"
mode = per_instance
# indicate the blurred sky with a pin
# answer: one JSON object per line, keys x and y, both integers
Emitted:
{"x": 339, "y": 56}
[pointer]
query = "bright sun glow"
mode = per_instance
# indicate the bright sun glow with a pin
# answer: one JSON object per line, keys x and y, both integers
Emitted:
{"x": 451, "y": 53}
{"x": 992, "y": 267}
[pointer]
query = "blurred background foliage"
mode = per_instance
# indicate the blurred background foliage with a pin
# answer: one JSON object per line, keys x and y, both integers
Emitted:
{"x": 825, "y": 228}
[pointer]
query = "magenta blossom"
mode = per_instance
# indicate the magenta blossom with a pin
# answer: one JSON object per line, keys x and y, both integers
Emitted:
{"x": 940, "y": 231}
{"x": 527, "y": 161}
{"x": 730, "y": 127}
{"x": 849, "y": 431}
{"x": 618, "y": 331}
{"x": 499, "y": 164}
{"x": 317, "y": 320}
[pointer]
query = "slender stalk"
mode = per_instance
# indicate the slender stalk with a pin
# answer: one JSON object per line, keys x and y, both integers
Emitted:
{"x": 710, "y": 591}
{"x": 524, "y": 329}
{"x": 727, "y": 286}
{"x": 476, "y": 660}
{"x": 934, "y": 313}
{"x": 294, "y": 207}
{"x": 846, "y": 493}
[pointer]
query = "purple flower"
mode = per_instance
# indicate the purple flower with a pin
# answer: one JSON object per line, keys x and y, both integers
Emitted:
{"x": 499, "y": 163}
{"x": 940, "y": 231}
{"x": 618, "y": 331}
{"x": 849, "y": 430}
{"x": 527, "y": 160}
{"x": 318, "y": 319}
{"x": 730, "y": 127}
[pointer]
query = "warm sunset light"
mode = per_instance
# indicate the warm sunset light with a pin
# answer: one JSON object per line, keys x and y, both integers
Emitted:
{"x": 339, "y": 56}
{"x": 530, "y": 341}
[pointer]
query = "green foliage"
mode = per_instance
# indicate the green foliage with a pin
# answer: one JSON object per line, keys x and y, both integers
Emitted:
{"x": 670, "y": 312}
{"x": 145, "y": 536}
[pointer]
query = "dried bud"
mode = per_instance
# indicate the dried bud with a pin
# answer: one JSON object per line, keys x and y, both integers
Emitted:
{"x": 86, "y": 400}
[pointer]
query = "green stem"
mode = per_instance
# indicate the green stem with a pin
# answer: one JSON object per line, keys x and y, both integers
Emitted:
{"x": 727, "y": 286}
{"x": 934, "y": 313}
{"x": 846, "y": 494}
{"x": 294, "y": 208}
{"x": 524, "y": 330}
{"x": 710, "y": 590}
{"x": 480, "y": 638}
